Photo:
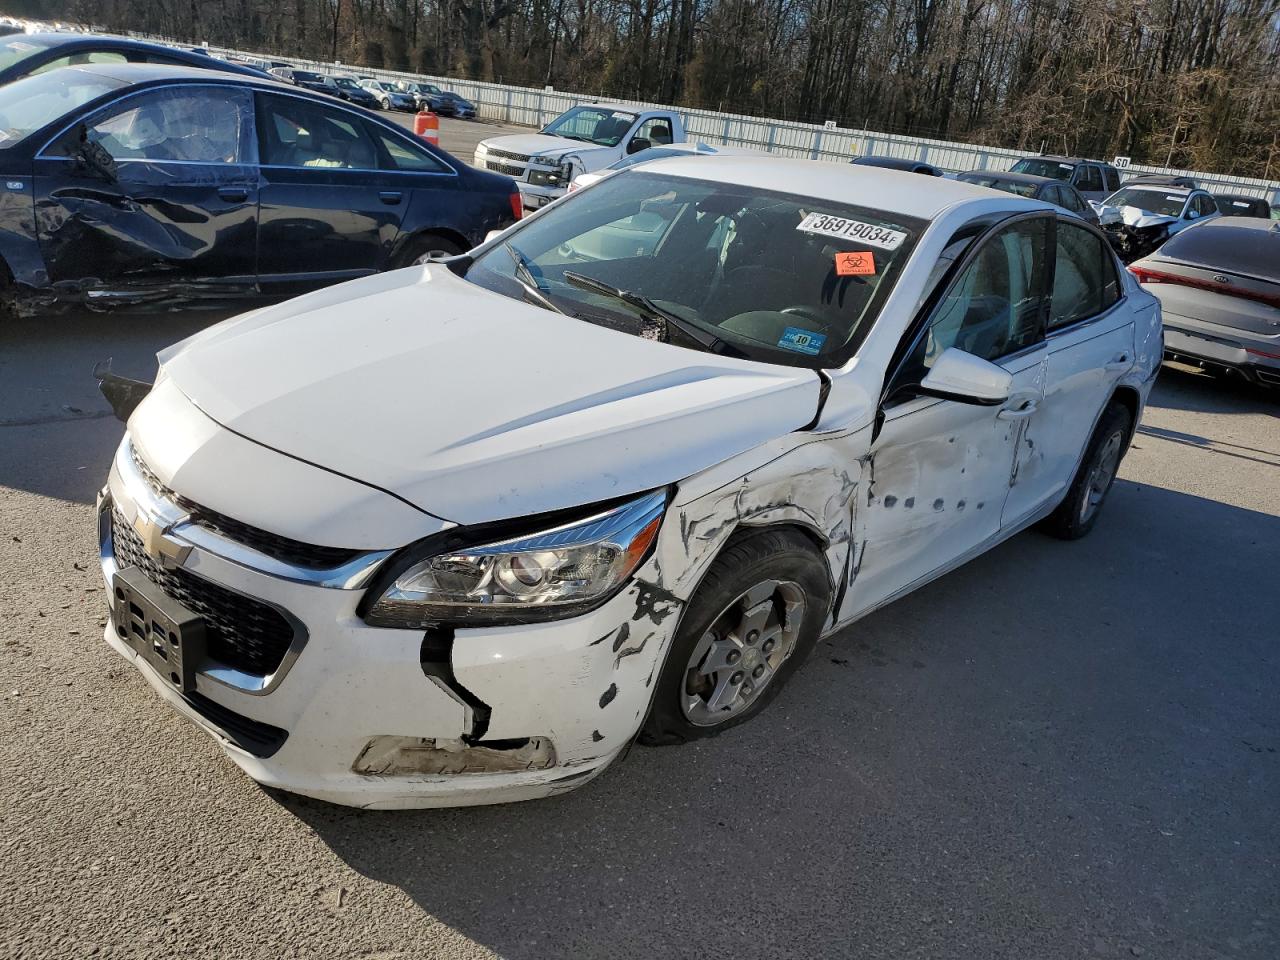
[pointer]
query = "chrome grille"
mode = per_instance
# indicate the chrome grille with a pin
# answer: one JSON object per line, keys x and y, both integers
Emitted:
{"x": 507, "y": 155}
{"x": 504, "y": 168}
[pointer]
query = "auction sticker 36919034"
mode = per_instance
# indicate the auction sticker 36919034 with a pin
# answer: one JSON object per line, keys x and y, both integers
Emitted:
{"x": 846, "y": 229}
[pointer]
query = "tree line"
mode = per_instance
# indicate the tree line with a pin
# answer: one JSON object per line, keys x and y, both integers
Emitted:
{"x": 1184, "y": 83}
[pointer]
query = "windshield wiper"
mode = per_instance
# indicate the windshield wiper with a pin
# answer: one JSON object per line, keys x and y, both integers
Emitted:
{"x": 528, "y": 282}
{"x": 641, "y": 303}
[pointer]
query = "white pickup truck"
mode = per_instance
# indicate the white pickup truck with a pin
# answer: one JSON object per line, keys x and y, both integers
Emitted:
{"x": 580, "y": 140}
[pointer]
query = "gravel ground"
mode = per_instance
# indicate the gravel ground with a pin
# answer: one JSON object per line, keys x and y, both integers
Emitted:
{"x": 1059, "y": 750}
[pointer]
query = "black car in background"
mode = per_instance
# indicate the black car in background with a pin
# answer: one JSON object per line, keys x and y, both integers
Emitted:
{"x": 898, "y": 163}
{"x": 134, "y": 183}
{"x": 24, "y": 53}
{"x": 1093, "y": 179}
{"x": 307, "y": 79}
{"x": 347, "y": 89}
{"x": 1236, "y": 205}
{"x": 1057, "y": 192}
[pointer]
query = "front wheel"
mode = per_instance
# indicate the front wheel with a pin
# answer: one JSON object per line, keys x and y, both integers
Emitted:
{"x": 752, "y": 622}
{"x": 427, "y": 248}
{"x": 1079, "y": 510}
{"x": 386, "y": 104}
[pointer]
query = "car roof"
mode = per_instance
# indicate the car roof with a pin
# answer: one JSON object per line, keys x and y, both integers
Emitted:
{"x": 1054, "y": 156}
{"x": 1013, "y": 177}
{"x": 895, "y": 191}
{"x": 1240, "y": 223}
{"x": 147, "y": 72}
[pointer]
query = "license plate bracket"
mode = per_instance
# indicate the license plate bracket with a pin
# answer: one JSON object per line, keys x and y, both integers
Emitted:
{"x": 166, "y": 634}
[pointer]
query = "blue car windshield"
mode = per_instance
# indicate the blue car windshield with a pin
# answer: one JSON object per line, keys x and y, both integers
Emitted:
{"x": 29, "y": 104}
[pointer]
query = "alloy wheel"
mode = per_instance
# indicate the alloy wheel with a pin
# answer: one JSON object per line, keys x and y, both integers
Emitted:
{"x": 742, "y": 651}
{"x": 1101, "y": 475}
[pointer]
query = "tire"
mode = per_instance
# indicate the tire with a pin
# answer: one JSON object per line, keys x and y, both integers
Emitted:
{"x": 385, "y": 104}
{"x": 1079, "y": 509}
{"x": 424, "y": 247}
{"x": 755, "y": 634}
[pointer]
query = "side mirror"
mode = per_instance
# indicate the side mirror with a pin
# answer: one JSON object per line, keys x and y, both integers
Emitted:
{"x": 637, "y": 144}
{"x": 1192, "y": 213}
{"x": 961, "y": 376}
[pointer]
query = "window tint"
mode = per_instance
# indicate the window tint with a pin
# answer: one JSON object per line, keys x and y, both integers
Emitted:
{"x": 993, "y": 307}
{"x": 406, "y": 156}
{"x": 194, "y": 124}
{"x": 1072, "y": 200}
{"x": 81, "y": 57}
{"x": 1084, "y": 278}
{"x": 299, "y": 133}
{"x": 1206, "y": 205}
{"x": 1112, "y": 177}
{"x": 1089, "y": 178}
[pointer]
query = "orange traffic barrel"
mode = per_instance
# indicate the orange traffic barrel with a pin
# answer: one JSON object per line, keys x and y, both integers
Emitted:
{"x": 427, "y": 125}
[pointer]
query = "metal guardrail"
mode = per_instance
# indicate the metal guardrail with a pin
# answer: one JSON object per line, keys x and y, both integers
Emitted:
{"x": 531, "y": 107}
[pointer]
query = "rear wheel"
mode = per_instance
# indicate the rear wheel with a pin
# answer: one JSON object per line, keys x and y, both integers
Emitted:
{"x": 1079, "y": 510}
{"x": 754, "y": 619}
{"x": 386, "y": 103}
{"x": 425, "y": 248}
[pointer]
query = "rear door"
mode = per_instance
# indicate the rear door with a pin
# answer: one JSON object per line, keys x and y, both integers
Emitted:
{"x": 1089, "y": 347}
{"x": 180, "y": 213}
{"x": 327, "y": 213}
{"x": 941, "y": 469}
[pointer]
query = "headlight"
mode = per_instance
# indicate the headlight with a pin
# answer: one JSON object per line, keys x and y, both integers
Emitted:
{"x": 545, "y": 178}
{"x": 545, "y": 576}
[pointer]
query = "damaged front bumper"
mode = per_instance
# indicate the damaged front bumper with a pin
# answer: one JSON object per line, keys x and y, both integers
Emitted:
{"x": 392, "y": 718}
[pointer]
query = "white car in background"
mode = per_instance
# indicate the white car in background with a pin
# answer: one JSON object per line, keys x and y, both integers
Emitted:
{"x": 1140, "y": 216}
{"x": 698, "y": 149}
{"x": 461, "y": 533}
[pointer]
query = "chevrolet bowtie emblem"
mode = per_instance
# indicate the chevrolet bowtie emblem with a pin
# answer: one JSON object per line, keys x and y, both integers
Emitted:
{"x": 157, "y": 542}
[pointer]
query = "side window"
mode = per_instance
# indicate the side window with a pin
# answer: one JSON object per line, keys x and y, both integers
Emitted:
{"x": 1207, "y": 206}
{"x": 1072, "y": 200}
{"x": 1051, "y": 194}
{"x": 87, "y": 56}
{"x": 656, "y": 130}
{"x": 401, "y": 155}
{"x": 1089, "y": 179}
{"x": 994, "y": 306}
{"x": 1112, "y": 177}
{"x": 299, "y": 133}
{"x": 192, "y": 124}
{"x": 1084, "y": 277}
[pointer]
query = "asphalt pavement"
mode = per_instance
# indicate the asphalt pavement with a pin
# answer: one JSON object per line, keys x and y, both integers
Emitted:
{"x": 1061, "y": 750}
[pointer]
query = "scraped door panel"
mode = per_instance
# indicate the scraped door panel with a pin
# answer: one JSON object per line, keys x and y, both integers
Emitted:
{"x": 180, "y": 215}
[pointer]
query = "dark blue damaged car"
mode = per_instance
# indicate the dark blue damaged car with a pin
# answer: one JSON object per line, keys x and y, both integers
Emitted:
{"x": 135, "y": 184}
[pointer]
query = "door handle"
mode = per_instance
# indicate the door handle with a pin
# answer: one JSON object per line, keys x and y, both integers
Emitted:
{"x": 390, "y": 197}
{"x": 234, "y": 194}
{"x": 1121, "y": 362}
{"x": 1026, "y": 407}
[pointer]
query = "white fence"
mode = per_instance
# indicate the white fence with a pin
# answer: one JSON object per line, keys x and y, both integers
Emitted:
{"x": 529, "y": 106}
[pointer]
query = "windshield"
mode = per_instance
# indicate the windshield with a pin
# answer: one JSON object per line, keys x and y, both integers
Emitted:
{"x": 762, "y": 274}
{"x": 1008, "y": 186}
{"x": 28, "y": 104}
{"x": 346, "y": 84}
{"x": 306, "y": 77}
{"x": 596, "y": 125}
{"x": 1041, "y": 167}
{"x": 1154, "y": 201}
{"x": 15, "y": 49}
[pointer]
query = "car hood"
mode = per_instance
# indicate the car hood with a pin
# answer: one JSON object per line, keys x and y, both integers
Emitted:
{"x": 539, "y": 144}
{"x": 473, "y": 406}
{"x": 1130, "y": 216}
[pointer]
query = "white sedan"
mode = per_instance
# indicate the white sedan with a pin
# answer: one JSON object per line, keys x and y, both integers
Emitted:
{"x": 462, "y": 532}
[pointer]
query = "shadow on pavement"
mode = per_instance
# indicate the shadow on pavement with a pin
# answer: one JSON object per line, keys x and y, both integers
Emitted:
{"x": 1060, "y": 749}
{"x": 1181, "y": 387}
{"x": 57, "y": 432}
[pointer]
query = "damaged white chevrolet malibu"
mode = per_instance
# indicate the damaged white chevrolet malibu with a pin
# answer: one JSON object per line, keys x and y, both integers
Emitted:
{"x": 463, "y": 532}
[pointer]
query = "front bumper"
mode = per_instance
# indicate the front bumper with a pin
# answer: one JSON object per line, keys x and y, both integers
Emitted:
{"x": 582, "y": 684}
{"x": 535, "y": 197}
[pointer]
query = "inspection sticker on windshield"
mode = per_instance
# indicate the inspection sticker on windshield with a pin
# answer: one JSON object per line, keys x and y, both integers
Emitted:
{"x": 852, "y": 229}
{"x": 802, "y": 341}
{"x": 855, "y": 263}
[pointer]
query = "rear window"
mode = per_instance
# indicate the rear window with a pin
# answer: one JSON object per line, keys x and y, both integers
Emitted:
{"x": 15, "y": 49}
{"x": 1251, "y": 251}
{"x": 1008, "y": 186}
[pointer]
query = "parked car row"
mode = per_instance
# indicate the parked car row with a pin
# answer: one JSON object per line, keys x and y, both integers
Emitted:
{"x": 144, "y": 183}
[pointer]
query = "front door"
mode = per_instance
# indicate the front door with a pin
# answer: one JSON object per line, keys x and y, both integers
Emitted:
{"x": 940, "y": 470}
{"x": 179, "y": 214}
{"x": 327, "y": 212}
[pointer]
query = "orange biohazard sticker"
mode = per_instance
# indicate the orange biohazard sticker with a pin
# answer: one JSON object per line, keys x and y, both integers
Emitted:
{"x": 855, "y": 263}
